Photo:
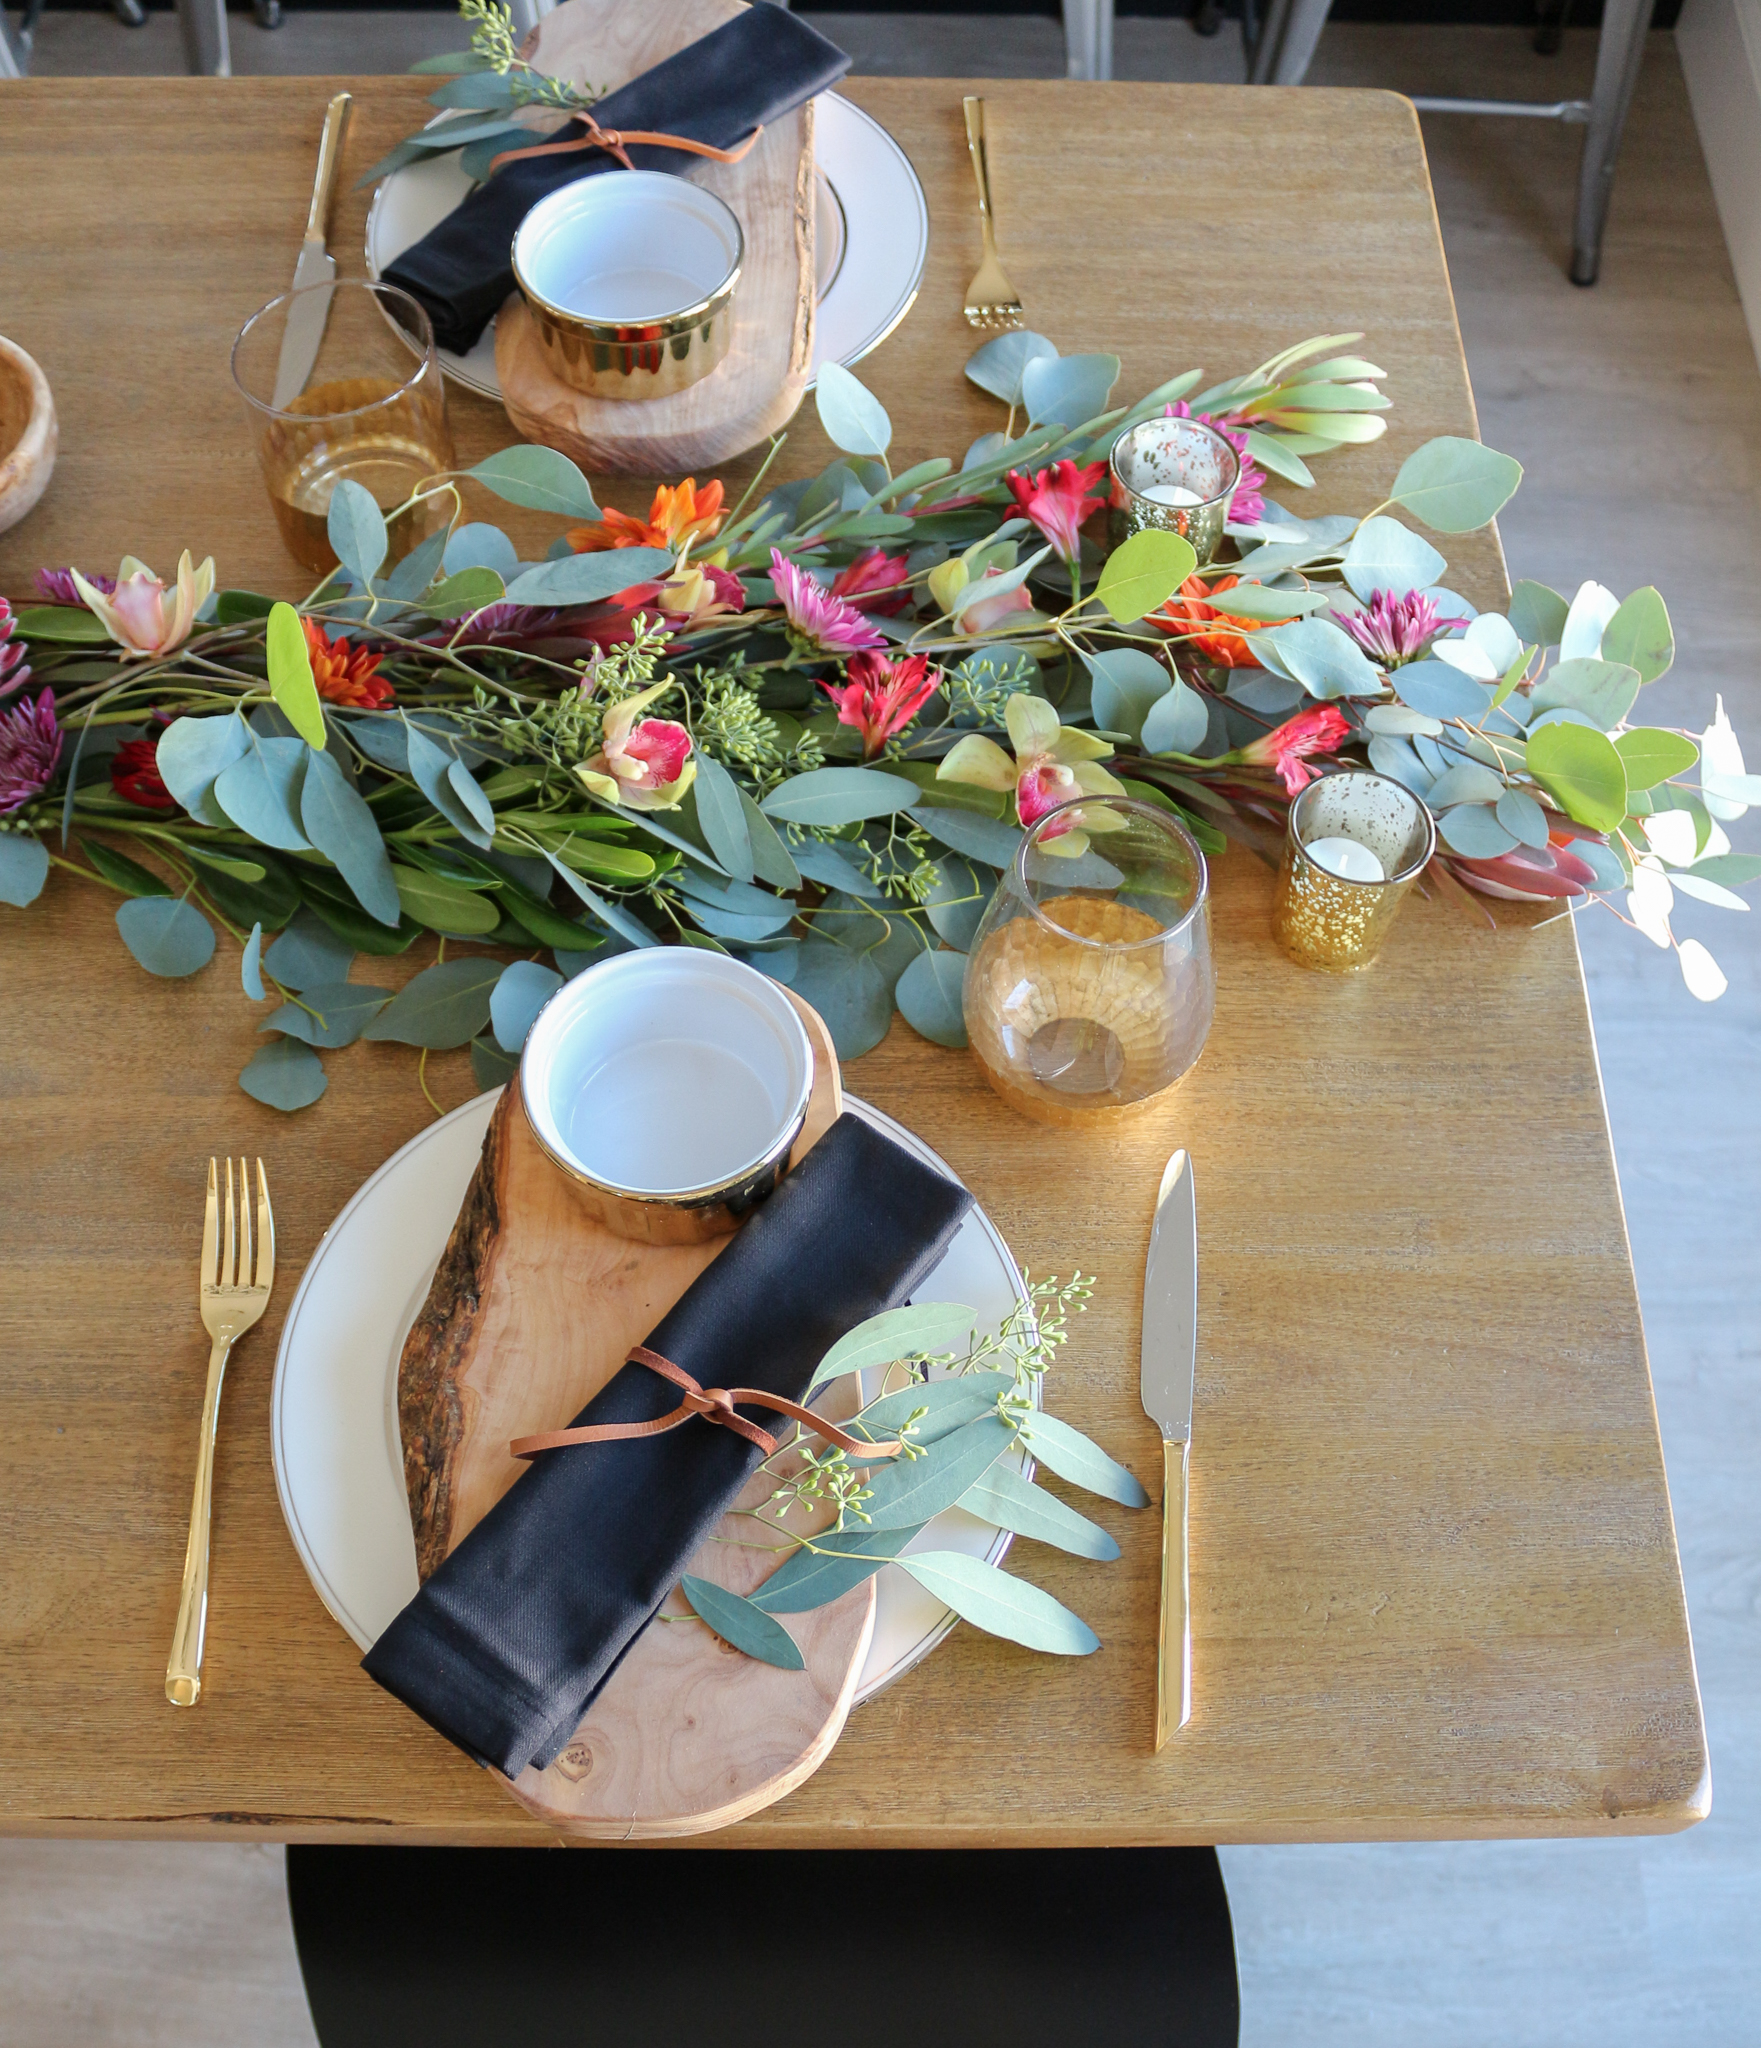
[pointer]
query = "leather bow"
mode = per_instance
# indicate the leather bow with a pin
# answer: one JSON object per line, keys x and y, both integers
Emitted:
{"x": 616, "y": 141}
{"x": 714, "y": 1404}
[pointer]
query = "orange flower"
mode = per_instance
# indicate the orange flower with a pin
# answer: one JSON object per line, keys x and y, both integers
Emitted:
{"x": 680, "y": 516}
{"x": 346, "y": 673}
{"x": 1190, "y": 613}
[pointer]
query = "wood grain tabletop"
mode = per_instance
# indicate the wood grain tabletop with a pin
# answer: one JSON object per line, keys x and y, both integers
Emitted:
{"x": 1434, "y": 1581}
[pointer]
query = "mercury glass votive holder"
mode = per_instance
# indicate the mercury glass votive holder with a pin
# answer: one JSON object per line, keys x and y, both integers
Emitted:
{"x": 1157, "y": 463}
{"x": 1321, "y": 919}
{"x": 1089, "y": 986}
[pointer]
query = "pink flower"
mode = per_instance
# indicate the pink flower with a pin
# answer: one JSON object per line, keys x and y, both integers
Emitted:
{"x": 825, "y": 622}
{"x": 1248, "y": 506}
{"x": 1392, "y": 630}
{"x": 1058, "y": 500}
{"x": 644, "y": 764}
{"x": 30, "y": 746}
{"x": 882, "y": 697}
{"x": 874, "y": 582}
{"x": 1321, "y": 730}
{"x": 694, "y": 596}
{"x": 15, "y": 671}
{"x": 56, "y": 586}
{"x": 134, "y": 613}
{"x": 1042, "y": 786}
{"x": 976, "y": 613}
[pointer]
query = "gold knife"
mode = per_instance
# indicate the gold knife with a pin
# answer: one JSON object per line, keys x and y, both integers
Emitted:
{"x": 1170, "y": 1352}
{"x": 303, "y": 335}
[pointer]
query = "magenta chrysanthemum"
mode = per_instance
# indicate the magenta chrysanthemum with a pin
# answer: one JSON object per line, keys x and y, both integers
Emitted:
{"x": 1392, "y": 630}
{"x": 827, "y": 622}
{"x": 1248, "y": 506}
{"x": 30, "y": 746}
{"x": 15, "y": 671}
{"x": 57, "y": 586}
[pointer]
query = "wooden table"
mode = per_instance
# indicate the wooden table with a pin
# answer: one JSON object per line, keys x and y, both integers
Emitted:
{"x": 1435, "y": 1583}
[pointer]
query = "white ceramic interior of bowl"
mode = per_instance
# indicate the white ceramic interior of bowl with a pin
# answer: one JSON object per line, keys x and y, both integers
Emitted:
{"x": 666, "y": 1072}
{"x": 627, "y": 246}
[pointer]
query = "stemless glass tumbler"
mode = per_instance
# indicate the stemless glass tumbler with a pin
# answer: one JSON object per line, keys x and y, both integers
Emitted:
{"x": 371, "y": 406}
{"x": 1089, "y": 987}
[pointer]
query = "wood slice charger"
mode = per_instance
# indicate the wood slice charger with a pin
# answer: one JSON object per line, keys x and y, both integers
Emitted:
{"x": 533, "y": 1307}
{"x": 757, "y": 387}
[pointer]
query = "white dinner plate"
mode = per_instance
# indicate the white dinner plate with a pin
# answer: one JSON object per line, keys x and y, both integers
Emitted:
{"x": 871, "y": 240}
{"x": 333, "y": 1412}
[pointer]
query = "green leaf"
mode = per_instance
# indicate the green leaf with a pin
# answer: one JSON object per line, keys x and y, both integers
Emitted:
{"x": 1003, "y": 1497}
{"x": 925, "y": 1329}
{"x": 1440, "y": 691}
{"x": 1537, "y": 615}
{"x": 1583, "y": 772}
{"x": 585, "y": 579}
{"x": 469, "y": 591}
{"x": 1640, "y": 635}
{"x": 344, "y": 830}
{"x": 1384, "y": 555}
{"x": 417, "y": 570}
{"x": 1072, "y": 1456}
{"x": 327, "y": 895}
{"x": 286, "y": 1075}
{"x": 1067, "y": 391}
{"x": 121, "y": 872}
{"x": 722, "y": 816}
{"x": 336, "y": 1013}
{"x": 290, "y": 671}
{"x": 193, "y": 753}
{"x": 1176, "y": 722}
{"x": 1143, "y": 573}
{"x": 1127, "y": 683}
{"x": 853, "y": 418}
{"x": 1456, "y": 486}
{"x": 906, "y": 1495}
{"x": 991, "y": 840}
{"x": 1473, "y": 830}
{"x": 260, "y": 791}
{"x": 772, "y": 861}
{"x": 445, "y": 1005}
{"x": 167, "y": 937}
{"x": 518, "y": 996}
{"x": 541, "y": 479}
{"x": 613, "y": 916}
{"x": 241, "y": 607}
{"x": 1001, "y": 1604}
{"x": 928, "y": 996}
{"x": 1604, "y": 691}
{"x": 1322, "y": 658}
{"x": 849, "y": 992}
{"x": 465, "y": 808}
{"x": 24, "y": 868}
{"x": 838, "y": 796}
{"x": 1466, "y": 783}
{"x": 1652, "y": 755}
{"x": 61, "y": 625}
{"x": 308, "y": 953}
{"x": 250, "y": 872}
{"x": 1732, "y": 870}
{"x": 445, "y": 906}
{"x": 812, "y": 1578}
{"x": 251, "y": 966}
{"x": 736, "y": 1620}
{"x": 998, "y": 367}
{"x": 1522, "y": 818}
{"x": 356, "y": 528}
{"x": 490, "y": 1066}
{"x": 956, "y": 902}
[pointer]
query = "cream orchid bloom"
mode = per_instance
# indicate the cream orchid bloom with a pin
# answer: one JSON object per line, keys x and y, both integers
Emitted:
{"x": 643, "y": 764}
{"x": 135, "y": 615}
{"x": 1054, "y": 764}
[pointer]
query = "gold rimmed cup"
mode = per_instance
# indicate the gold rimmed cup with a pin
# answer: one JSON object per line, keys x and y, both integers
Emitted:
{"x": 1172, "y": 476}
{"x": 630, "y": 279}
{"x": 1355, "y": 845}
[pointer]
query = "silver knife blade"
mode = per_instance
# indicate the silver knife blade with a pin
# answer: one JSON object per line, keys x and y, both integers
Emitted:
{"x": 1170, "y": 1305}
{"x": 304, "y": 333}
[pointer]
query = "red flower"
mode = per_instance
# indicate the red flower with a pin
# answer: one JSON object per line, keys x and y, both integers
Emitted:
{"x": 882, "y": 697}
{"x": 1057, "y": 501}
{"x": 134, "y": 773}
{"x": 1321, "y": 730}
{"x": 874, "y": 582}
{"x": 345, "y": 672}
{"x": 1191, "y": 614}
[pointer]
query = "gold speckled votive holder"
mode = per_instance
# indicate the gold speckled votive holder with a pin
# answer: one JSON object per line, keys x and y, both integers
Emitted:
{"x": 1320, "y": 919}
{"x": 1172, "y": 454}
{"x": 1089, "y": 987}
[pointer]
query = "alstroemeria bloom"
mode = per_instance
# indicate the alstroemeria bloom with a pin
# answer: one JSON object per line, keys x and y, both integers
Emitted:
{"x": 644, "y": 764}
{"x": 30, "y": 746}
{"x": 693, "y": 596}
{"x": 1054, "y": 764}
{"x": 881, "y": 697}
{"x": 967, "y": 605}
{"x": 1058, "y": 499}
{"x": 873, "y": 582}
{"x": 1322, "y": 729}
{"x": 345, "y": 672}
{"x": 826, "y": 623}
{"x": 680, "y": 516}
{"x": 135, "y": 614}
{"x": 1218, "y": 635}
{"x": 15, "y": 671}
{"x": 134, "y": 774}
{"x": 1394, "y": 630}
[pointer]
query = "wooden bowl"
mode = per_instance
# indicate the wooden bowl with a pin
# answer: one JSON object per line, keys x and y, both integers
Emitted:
{"x": 27, "y": 433}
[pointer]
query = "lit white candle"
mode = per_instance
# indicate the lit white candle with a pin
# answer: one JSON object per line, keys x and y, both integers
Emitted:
{"x": 1171, "y": 494}
{"x": 1347, "y": 858}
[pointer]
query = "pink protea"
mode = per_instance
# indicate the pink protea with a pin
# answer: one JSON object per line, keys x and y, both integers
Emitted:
{"x": 874, "y": 582}
{"x": 825, "y": 622}
{"x": 1058, "y": 499}
{"x": 30, "y": 746}
{"x": 881, "y": 697}
{"x": 1248, "y": 506}
{"x": 15, "y": 671}
{"x": 56, "y": 586}
{"x": 1393, "y": 630}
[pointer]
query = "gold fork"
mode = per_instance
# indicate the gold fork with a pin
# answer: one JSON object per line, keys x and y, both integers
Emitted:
{"x": 991, "y": 300}
{"x": 231, "y": 1302}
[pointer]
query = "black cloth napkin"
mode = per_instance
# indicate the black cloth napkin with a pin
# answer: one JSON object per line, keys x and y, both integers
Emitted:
{"x": 508, "y": 1643}
{"x": 747, "y": 73}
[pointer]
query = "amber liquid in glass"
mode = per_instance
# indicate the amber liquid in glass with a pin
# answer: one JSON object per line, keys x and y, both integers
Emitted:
{"x": 388, "y": 448}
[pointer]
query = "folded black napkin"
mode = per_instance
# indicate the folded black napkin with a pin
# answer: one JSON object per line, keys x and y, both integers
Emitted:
{"x": 746, "y": 74}
{"x": 512, "y": 1637}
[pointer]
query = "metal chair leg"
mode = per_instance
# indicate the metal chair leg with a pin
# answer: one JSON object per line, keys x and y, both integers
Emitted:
{"x": 1619, "y": 53}
{"x": 1088, "y": 38}
{"x": 206, "y": 50}
{"x": 1285, "y": 45}
{"x": 267, "y": 13}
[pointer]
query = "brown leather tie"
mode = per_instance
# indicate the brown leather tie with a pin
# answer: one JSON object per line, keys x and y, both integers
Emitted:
{"x": 714, "y": 1404}
{"x": 615, "y": 141}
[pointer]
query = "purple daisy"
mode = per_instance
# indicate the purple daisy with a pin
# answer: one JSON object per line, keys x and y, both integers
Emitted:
{"x": 30, "y": 746}
{"x": 56, "y": 586}
{"x": 1394, "y": 630}
{"x": 826, "y": 622}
